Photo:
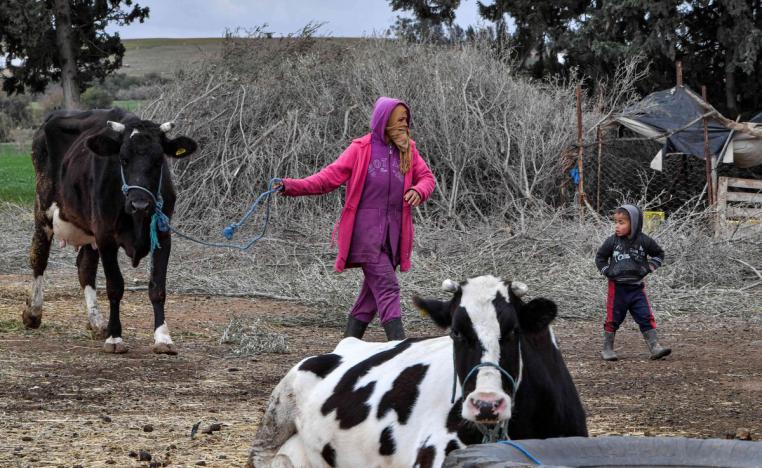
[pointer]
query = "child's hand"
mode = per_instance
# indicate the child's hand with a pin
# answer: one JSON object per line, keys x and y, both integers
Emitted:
{"x": 278, "y": 187}
{"x": 412, "y": 198}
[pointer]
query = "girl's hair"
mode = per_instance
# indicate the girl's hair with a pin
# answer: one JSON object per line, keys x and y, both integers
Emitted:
{"x": 623, "y": 211}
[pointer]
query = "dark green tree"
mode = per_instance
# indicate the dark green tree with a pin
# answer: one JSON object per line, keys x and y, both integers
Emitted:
{"x": 60, "y": 40}
{"x": 432, "y": 20}
{"x": 539, "y": 27}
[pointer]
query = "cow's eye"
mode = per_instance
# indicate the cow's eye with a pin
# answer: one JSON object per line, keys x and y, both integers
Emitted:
{"x": 456, "y": 335}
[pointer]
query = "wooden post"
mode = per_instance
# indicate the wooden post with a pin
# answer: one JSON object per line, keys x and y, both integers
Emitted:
{"x": 679, "y": 73}
{"x": 580, "y": 152}
{"x": 707, "y": 155}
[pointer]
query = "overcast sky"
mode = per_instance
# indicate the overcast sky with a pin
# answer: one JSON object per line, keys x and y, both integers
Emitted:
{"x": 209, "y": 18}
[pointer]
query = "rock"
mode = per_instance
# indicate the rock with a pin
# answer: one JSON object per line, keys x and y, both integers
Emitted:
{"x": 201, "y": 463}
{"x": 148, "y": 428}
{"x": 110, "y": 462}
{"x": 106, "y": 419}
{"x": 133, "y": 454}
{"x": 222, "y": 456}
{"x": 233, "y": 369}
{"x": 27, "y": 438}
{"x": 155, "y": 464}
{"x": 144, "y": 456}
{"x": 743, "y": 434}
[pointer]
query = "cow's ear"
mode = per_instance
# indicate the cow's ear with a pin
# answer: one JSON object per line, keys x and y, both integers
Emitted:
{"x": 537, "y": 314}
{"x": 179, "y": 147}
{"x": 439, "y": 311}
{"x": 103, "y": 145}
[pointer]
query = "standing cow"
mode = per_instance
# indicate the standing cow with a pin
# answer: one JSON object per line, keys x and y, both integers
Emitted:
{"x": 389, "y": 404}
{"x": 99, "y": 176}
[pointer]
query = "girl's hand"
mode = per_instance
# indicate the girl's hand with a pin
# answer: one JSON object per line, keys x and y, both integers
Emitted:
{"x": 278, "y": 187}
{"x": 412, "y": 198}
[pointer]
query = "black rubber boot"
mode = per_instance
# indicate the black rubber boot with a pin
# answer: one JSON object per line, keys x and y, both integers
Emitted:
{"x": 657, "y": 351}
{"x": 608, "y": 353}
{"x": 355, "y": 328}
{"x": 394, "y": 330}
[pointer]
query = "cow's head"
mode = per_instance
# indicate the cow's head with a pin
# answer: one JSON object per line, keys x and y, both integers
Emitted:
{"x": 486, "y": 317}
{"x": 140, "y": 147}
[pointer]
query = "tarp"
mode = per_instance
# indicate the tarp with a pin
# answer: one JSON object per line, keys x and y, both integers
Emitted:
{"x": 675, "y": 118}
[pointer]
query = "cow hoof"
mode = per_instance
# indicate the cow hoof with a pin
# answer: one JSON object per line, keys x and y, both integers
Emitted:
{"x": 164, "y": 348}
{"x": 98, "y": 333}
{"x": 31, "y": 320}
{"x": 115, "y": 347}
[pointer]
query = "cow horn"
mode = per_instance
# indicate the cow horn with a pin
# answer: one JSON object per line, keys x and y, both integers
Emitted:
{"x": 167, "y": 126}
{"x": 116, "y": 126}
{"x": 450, "y": 286}
{"x": 519, "y": 288}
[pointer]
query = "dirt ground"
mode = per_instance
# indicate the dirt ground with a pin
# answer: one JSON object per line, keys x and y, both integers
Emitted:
{"x": 64, "y": 403}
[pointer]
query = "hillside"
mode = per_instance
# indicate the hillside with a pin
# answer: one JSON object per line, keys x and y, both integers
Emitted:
{"x": 165, "y": 56}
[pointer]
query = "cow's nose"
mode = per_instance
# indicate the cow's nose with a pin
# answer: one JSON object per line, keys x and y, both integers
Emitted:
{"x": 139, "y": 205}
{"x": 487, "y": 409}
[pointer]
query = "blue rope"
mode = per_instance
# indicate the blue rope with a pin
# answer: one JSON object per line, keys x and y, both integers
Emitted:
{"x": 521, "y": 449}
{"x": 163, "y": 224}
{"x": 160, "y": 221}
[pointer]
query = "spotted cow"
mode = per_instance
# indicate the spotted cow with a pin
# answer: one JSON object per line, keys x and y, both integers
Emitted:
{"x": 409, "y": 403}
{"x": 99, "y": 176}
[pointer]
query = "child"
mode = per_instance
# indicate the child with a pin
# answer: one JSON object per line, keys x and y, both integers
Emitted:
{"x": 385, "y": 177}
{"x": 624, "y": 260}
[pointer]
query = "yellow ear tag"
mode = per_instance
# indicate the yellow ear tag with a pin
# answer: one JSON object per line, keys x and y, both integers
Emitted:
{"x": 423, "y": 313}
{"x": 180, "y": 151}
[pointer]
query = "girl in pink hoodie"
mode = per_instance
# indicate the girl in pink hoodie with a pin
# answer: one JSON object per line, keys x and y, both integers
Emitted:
{"x": 385, "y": 177}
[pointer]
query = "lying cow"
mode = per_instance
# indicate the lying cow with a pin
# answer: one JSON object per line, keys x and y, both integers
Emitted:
{"x": 99, "y": 176}
{"x": 390, "y": 404}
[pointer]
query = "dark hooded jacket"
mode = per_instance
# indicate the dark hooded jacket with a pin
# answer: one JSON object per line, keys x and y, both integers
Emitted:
{"x": 629, "y": 259}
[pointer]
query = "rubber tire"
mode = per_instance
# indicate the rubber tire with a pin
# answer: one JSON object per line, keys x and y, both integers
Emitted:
{"x": 613, "y": 452}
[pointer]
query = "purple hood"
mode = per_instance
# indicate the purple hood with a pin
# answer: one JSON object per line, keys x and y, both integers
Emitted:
{"x": 381, "y": 112}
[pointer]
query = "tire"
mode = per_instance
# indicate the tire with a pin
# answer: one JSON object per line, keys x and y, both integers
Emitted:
{"x": 603, "y": 452}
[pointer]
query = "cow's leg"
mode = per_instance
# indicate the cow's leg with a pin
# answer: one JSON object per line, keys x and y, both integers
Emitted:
{"x": 38, "y": 260}
{"x": 87, "y": 266}
{"x": 115, "y": 289}
{"x": 157, "y": 292}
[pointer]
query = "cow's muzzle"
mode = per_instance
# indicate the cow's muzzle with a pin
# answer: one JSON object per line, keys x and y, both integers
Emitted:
{"x": 487, "y": 407}
{"x": 138, "y": 206}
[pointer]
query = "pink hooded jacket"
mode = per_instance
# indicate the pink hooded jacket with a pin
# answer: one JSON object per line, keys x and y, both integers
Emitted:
{"x": 352, "y": 168}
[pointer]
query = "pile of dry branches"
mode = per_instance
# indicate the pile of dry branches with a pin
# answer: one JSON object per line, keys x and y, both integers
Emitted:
{"x": 492, "y": 138}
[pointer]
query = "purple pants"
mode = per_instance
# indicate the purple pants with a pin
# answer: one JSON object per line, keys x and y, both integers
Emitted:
{"x": 380, "y": 292}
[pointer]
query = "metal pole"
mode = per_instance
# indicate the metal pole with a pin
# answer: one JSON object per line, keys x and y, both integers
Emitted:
{"x": 707, "y": 156}
{"x": 580, "y": 151}
{"x": 600, "y": 152}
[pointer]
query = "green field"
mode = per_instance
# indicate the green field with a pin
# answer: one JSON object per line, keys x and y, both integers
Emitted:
{"x": 16, "y": 174}
{"x": 131, "y": 105}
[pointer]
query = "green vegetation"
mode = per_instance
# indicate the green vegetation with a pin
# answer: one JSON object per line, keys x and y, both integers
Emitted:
{"x": 130, "y": 105}
{"x": 16, "y": 174}
{"x": 134, "y": 44}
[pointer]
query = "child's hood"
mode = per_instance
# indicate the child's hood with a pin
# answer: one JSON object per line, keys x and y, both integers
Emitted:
{"x": 636, "y": 220}
{"x": 381, "y": 112}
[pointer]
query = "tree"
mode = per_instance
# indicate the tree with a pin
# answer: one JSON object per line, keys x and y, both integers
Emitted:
{"x": 539, "y": 27}
{"x": 433, "y": 20}
{"x": 54, "y": 40}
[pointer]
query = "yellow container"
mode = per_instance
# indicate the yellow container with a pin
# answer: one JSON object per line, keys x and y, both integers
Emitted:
{"x": 652, "y": 220}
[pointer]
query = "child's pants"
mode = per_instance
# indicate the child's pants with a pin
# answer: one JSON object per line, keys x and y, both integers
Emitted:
{"x": 380, "y": 291}
{"x": 624, "y": 297}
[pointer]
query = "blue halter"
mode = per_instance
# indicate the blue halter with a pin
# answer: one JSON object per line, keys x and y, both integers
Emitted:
{"x": 159, "y": 220}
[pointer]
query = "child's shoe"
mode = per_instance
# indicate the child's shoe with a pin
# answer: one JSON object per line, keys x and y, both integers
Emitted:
{"x": 355, "y": 328}
{"x": 608, "y": 353}
{"x": 657, "y": 350}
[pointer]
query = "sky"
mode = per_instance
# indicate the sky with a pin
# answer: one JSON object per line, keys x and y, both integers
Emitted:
{"x": 210, "y": 18}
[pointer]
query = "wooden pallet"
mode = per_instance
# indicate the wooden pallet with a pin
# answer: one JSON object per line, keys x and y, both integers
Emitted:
{"x": 739, "y": 208}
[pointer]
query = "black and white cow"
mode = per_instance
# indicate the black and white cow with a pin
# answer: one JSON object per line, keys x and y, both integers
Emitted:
{"x": 390, "y": 404}
{"x": 100, "y": 175}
